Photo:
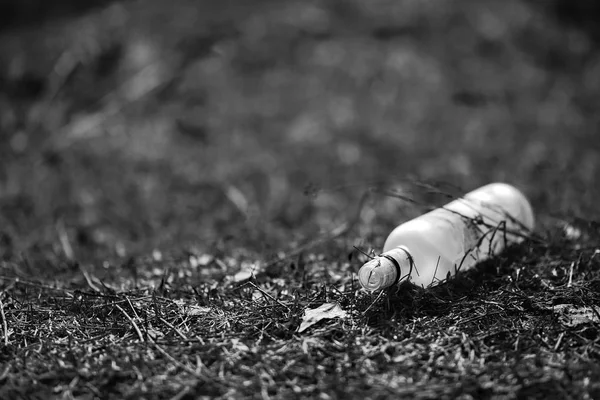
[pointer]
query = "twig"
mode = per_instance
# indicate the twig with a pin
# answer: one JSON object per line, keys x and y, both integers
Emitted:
{"x": 268, "y": 295}
{"x": 363, "y": 253}
{"x": 170, "y": 325}
{"x": 436, "y": 270}
{"x": 570, "y": 283}
{"x": 4, "y": 323}
{"x": 137, "y": 330}
{"x": 557, "y": 345}
{"x": 374, "y": 301}
{"x": 132, "y": 309}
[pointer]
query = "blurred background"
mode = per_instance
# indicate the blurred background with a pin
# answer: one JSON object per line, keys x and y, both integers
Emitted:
{"x": 251, "y": 127}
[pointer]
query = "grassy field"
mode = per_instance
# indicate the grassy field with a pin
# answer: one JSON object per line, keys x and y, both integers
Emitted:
{"x": 151, "y": 151}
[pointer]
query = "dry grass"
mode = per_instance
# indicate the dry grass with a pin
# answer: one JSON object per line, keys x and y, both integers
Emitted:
{"x": 490, "y": 333}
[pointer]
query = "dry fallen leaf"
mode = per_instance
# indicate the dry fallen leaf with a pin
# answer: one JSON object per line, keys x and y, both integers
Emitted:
{"x": 571, "y": 315}
{"x": 326, "y": 311}
{"x": 191, "y": 309}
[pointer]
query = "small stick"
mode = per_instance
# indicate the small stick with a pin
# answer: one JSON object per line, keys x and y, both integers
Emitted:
{"x": 374, "y": 301}
{"x": 132, "y": 309}
{"x": 436, "y": 269}
{"x": 137, "y": 330}
{"x": 363, "y": 253}
{"x": 570, "y": 283}
{"x": 170, "y": 325}
{"x": 268, "y": 295}
{"x": 558, "y": 341}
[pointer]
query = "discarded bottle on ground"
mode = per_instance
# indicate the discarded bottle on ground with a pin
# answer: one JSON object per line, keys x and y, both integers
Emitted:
{"x": 436, "y": 245}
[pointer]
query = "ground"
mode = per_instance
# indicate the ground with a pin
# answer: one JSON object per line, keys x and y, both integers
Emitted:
{"x": 150, "y": 151}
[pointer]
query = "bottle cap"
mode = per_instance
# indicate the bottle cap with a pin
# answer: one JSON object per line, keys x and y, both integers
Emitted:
{"x": 385, "y": 270}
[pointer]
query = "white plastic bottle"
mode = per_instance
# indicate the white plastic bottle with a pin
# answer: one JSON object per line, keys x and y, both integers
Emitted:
{"x": 436, "y": 245}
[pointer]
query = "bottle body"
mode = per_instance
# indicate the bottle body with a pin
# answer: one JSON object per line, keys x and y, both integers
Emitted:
{"x": 453, "y": 237}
